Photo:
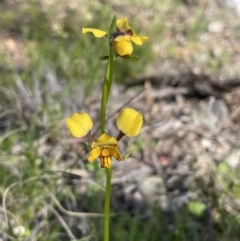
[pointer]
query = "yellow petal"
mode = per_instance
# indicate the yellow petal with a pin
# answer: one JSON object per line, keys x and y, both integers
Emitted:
{"x": 106, "y": 162}
{"x": 105, "y": 151}
{"x": 130, "y": 121}
{"x": 115, "y": 152}
{"x": 122, "y": 24}
{"x": 139, "y": 40}
{"x": 79, "y": 124}
{"x": 122, "y": 46}
{"x": 95, "y": 153}
{"x": 103, "y": 140}
{"x": 96, "y": 32}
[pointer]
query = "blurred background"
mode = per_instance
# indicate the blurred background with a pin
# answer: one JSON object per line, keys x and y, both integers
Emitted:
{"x": 181, "y": 180}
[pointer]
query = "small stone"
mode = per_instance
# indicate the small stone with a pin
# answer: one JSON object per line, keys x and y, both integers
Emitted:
{"x": 216, "y": 27}
{"x": 234, "y": 160}
{"x": 18, "y": 231}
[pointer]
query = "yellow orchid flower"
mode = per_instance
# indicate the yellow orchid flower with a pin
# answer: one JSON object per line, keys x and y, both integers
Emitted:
{"x": 105, "y": 147}
{"x": 121, "y": 40}
{"x": 129, "y": 122}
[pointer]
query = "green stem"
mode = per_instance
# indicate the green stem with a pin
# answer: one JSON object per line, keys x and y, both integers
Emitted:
{"x": 107, "y": 203}
{"x": 105, "y": 96}
{"x": 107, "y": 88}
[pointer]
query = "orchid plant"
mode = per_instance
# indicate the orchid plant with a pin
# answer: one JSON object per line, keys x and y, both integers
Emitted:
{"x": 129, "y": 121}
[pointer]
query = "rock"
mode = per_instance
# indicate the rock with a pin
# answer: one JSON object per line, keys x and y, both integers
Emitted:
{"x": 216, "y": 27}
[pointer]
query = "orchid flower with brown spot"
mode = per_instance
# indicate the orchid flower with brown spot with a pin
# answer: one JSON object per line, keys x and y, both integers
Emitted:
{"x": 129, "y": 122}
{"x": 121, "y": 40}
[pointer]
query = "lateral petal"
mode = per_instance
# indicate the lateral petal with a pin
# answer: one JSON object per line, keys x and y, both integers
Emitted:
{"x": 98, "y": 33}
{"x": 79, "y": 124}
{"x": 139, "y": 40}
{"x": 129, "y": 122}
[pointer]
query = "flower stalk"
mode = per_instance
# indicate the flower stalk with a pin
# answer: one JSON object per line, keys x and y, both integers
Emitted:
{"x": 108, "y": 172}
{"x": 106, "y": 89}
{"x": 105, "y": 96}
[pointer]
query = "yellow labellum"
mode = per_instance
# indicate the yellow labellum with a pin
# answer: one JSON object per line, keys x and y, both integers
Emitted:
{"x": 94, "y": 154}
{"x": 122, "y": 46}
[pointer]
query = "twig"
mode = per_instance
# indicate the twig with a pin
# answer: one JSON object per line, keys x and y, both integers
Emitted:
{"x": 62, "y": 222}
{"x": 73, "y": 214}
